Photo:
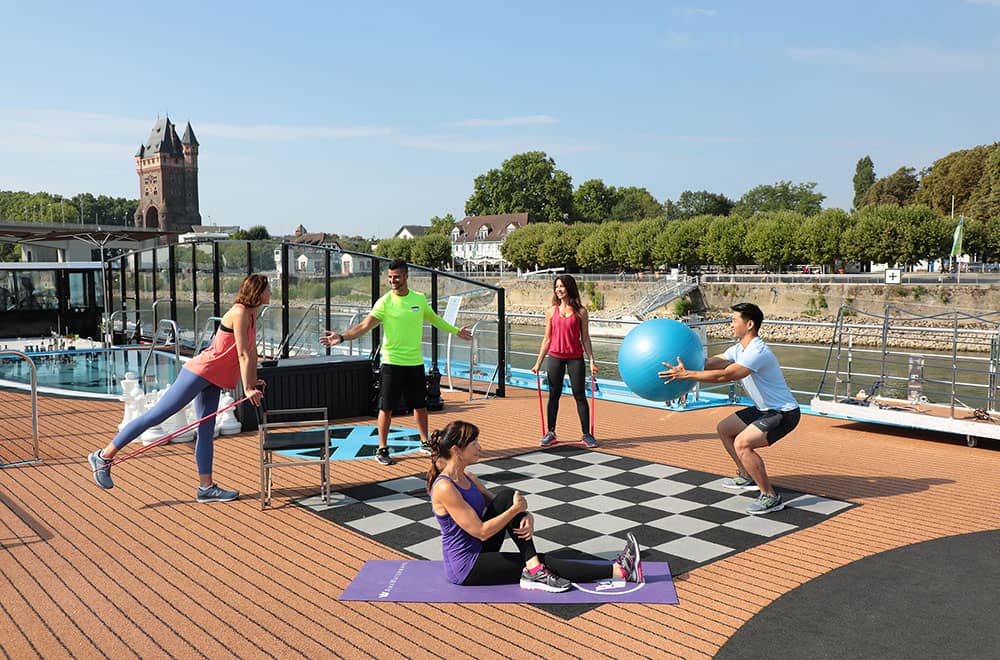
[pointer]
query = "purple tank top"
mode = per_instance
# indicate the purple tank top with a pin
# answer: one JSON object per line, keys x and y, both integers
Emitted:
{"x": 460, "y": 549}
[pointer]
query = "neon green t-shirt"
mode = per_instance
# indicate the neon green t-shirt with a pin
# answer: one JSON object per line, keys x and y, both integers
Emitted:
{"x": 403, "y": 319}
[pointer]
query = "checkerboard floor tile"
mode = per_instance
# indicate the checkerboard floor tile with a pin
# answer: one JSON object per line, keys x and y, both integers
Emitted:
{"x": 584, "y": 502}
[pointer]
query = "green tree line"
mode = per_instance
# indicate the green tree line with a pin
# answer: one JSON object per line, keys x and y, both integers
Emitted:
{"x": 884, "y": 233}
{"x": 21, "y": 206}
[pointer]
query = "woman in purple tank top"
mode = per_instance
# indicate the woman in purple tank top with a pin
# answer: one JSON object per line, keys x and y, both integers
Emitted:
{"x": 474, "y": 522}
{"x": 566, "y": 340}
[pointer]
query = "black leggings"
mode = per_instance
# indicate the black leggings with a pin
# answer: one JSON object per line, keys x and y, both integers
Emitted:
{"x": 556, "y": 369}
{"x": 495, "y": 567}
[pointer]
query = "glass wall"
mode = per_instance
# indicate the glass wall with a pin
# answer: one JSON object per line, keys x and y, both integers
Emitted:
{"x": 184, "y": 285}
{"x": 265, "y": 259}
{"x": 146, "y": 297}
{"x": 355, "y": 282}
{"x": 204, "y": 307}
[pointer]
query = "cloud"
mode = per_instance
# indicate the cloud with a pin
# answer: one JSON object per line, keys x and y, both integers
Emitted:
{"x": 81, "y": 132}
{"x": 461, "y": 144}
{"x": 696, "y": 12}
{"x": 897, "y": 59}
{"x": 528, "y": 120}
{"x": 693, "y": 139}
{"x": 680, "y": 40}
{"x": 285, "y": 133}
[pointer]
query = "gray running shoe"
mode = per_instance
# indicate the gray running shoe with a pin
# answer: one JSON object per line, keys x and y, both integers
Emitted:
{"x": 544, "y": 580}
{"x": 425, "y": 447}
{"x": 589, "y": 440}
{"x": 382, "y": 456}
{"x": 215, "y": 494}
{"x": 548, "y": 439}
{"x": 101, "y": 468}
{"x": 766, "y": 504}
{"x": 630, "y": 560}
{"x": 740, "y": 482}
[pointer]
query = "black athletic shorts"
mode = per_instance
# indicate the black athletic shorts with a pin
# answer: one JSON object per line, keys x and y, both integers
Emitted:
{"x": 775, "y": 423}
{"x": 408, "y": 382}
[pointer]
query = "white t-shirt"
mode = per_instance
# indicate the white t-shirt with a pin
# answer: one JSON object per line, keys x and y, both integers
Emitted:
{"x": 765, "y": 384}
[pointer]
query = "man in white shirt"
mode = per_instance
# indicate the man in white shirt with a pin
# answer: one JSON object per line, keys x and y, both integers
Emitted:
{"x": 775, "y": 411}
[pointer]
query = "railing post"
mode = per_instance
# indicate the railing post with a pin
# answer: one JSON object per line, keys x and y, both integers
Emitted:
{"x": 34, "y": 410}
{"x": 284, "y": 299}
{"x": 502, "y": 343}
{"x": 329, "y": 268}
{"x": 216, "y": 280}
{"x": 172, "y": 278}
{"x": 434, "y": 330}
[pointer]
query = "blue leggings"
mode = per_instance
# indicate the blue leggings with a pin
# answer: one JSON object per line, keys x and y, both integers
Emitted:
{"x": 188, "y": 386}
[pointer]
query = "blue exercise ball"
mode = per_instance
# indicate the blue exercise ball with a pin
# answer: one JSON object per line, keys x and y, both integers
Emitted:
{"x": 647, "y": 346}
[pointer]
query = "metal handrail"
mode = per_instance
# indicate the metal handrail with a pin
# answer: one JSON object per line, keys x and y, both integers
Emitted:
{"x": 172, "y": 327}
{"x": 298, "y": 325}
{"x": 196, "y": 308}
{"x": 209, "y": 323}
{"x": 262, "y": 329}
{"x": 34, "y": 409}
{"x": 472, "y": 358}
{"x": 156, "y": 302}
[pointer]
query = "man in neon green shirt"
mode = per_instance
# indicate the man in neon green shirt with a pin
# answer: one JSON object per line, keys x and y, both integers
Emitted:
{"x": 402, "y": 312}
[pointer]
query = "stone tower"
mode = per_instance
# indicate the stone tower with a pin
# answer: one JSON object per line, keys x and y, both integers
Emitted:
{"x": 168, "y": 179}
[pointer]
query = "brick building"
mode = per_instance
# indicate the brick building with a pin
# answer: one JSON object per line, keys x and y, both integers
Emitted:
{"x": 167, "y": 166}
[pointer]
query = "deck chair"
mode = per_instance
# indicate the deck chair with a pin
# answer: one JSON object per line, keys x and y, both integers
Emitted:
{"x": 291, "y": 429}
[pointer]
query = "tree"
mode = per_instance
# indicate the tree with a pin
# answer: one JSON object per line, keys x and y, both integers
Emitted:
{"x": 558, "y": 248}
{"x": 442, "y": 225}
{"x": 897, "y": 189}
{"x": 782, "y": 196}
{"x": 681, "y": 242}
{"x": 724, "y": 241}
{"x": 255, "y": 233}
{"x": 701, "y": 202}
{"x": 923, "y": 234}
{"x": 985, "y": 200}
{"x": 520, "y": 247}
{"x": 976, "y": 238}
{"x": 593, "y": 201}
{"x": 771, "y": 240}
{"x": 634, "y": 204}
{"x": 864, "y": 177}
{"x": 637, "y": 239}
{"x": 819, "y": 240}
{"x": 431, "y": 250}
{"x": 959, "y": 174}
{"x": 599, "y": 250}
{"x": 525, "y": 183}
{"x": 395, "y": 248}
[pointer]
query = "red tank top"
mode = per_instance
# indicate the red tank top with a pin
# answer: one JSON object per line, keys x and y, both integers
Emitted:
{"x": 219, "y": 364}
{"x": 564, "y": 336}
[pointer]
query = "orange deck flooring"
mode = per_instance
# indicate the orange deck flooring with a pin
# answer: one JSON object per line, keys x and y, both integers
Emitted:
{"x": 144, "y": 571}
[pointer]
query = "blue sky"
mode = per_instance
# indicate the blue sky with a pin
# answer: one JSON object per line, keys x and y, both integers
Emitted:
{"x": 357, "y": 120}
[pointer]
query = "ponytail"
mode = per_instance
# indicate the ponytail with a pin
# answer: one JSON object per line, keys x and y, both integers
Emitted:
{"x": 456, "y": 434}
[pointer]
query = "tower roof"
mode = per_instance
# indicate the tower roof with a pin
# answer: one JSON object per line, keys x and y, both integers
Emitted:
{"x": 189, "y": 137}
{"x": 163, "y": 139}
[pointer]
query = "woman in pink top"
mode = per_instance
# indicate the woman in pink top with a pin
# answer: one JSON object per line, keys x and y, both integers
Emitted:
{"x": 233, "y": 353}
{"x": 566, "y": 340}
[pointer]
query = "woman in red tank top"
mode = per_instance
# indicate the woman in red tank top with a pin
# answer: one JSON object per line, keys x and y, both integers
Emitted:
{"x": 566, "y": 340}
{"x": 233, "y": 353}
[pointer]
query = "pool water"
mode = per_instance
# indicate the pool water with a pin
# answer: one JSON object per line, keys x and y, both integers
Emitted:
{"x": 95, "y": 373}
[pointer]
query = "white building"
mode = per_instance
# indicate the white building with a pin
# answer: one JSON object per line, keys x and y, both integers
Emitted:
{"x": 475, "y": 241}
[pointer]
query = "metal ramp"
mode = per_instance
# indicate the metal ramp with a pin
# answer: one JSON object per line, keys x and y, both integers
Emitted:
{"x": 664, "y": 293}
{"x": 929, "y": 372}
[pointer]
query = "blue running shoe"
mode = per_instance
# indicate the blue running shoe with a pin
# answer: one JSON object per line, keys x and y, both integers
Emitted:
{"x": 101, "y": 468}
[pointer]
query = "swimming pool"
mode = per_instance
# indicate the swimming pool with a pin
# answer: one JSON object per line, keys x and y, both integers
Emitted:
{"x": 89, "y": 373}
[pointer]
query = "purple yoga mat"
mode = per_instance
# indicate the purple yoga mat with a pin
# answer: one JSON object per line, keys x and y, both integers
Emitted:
{"x": 423, "y": 581}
